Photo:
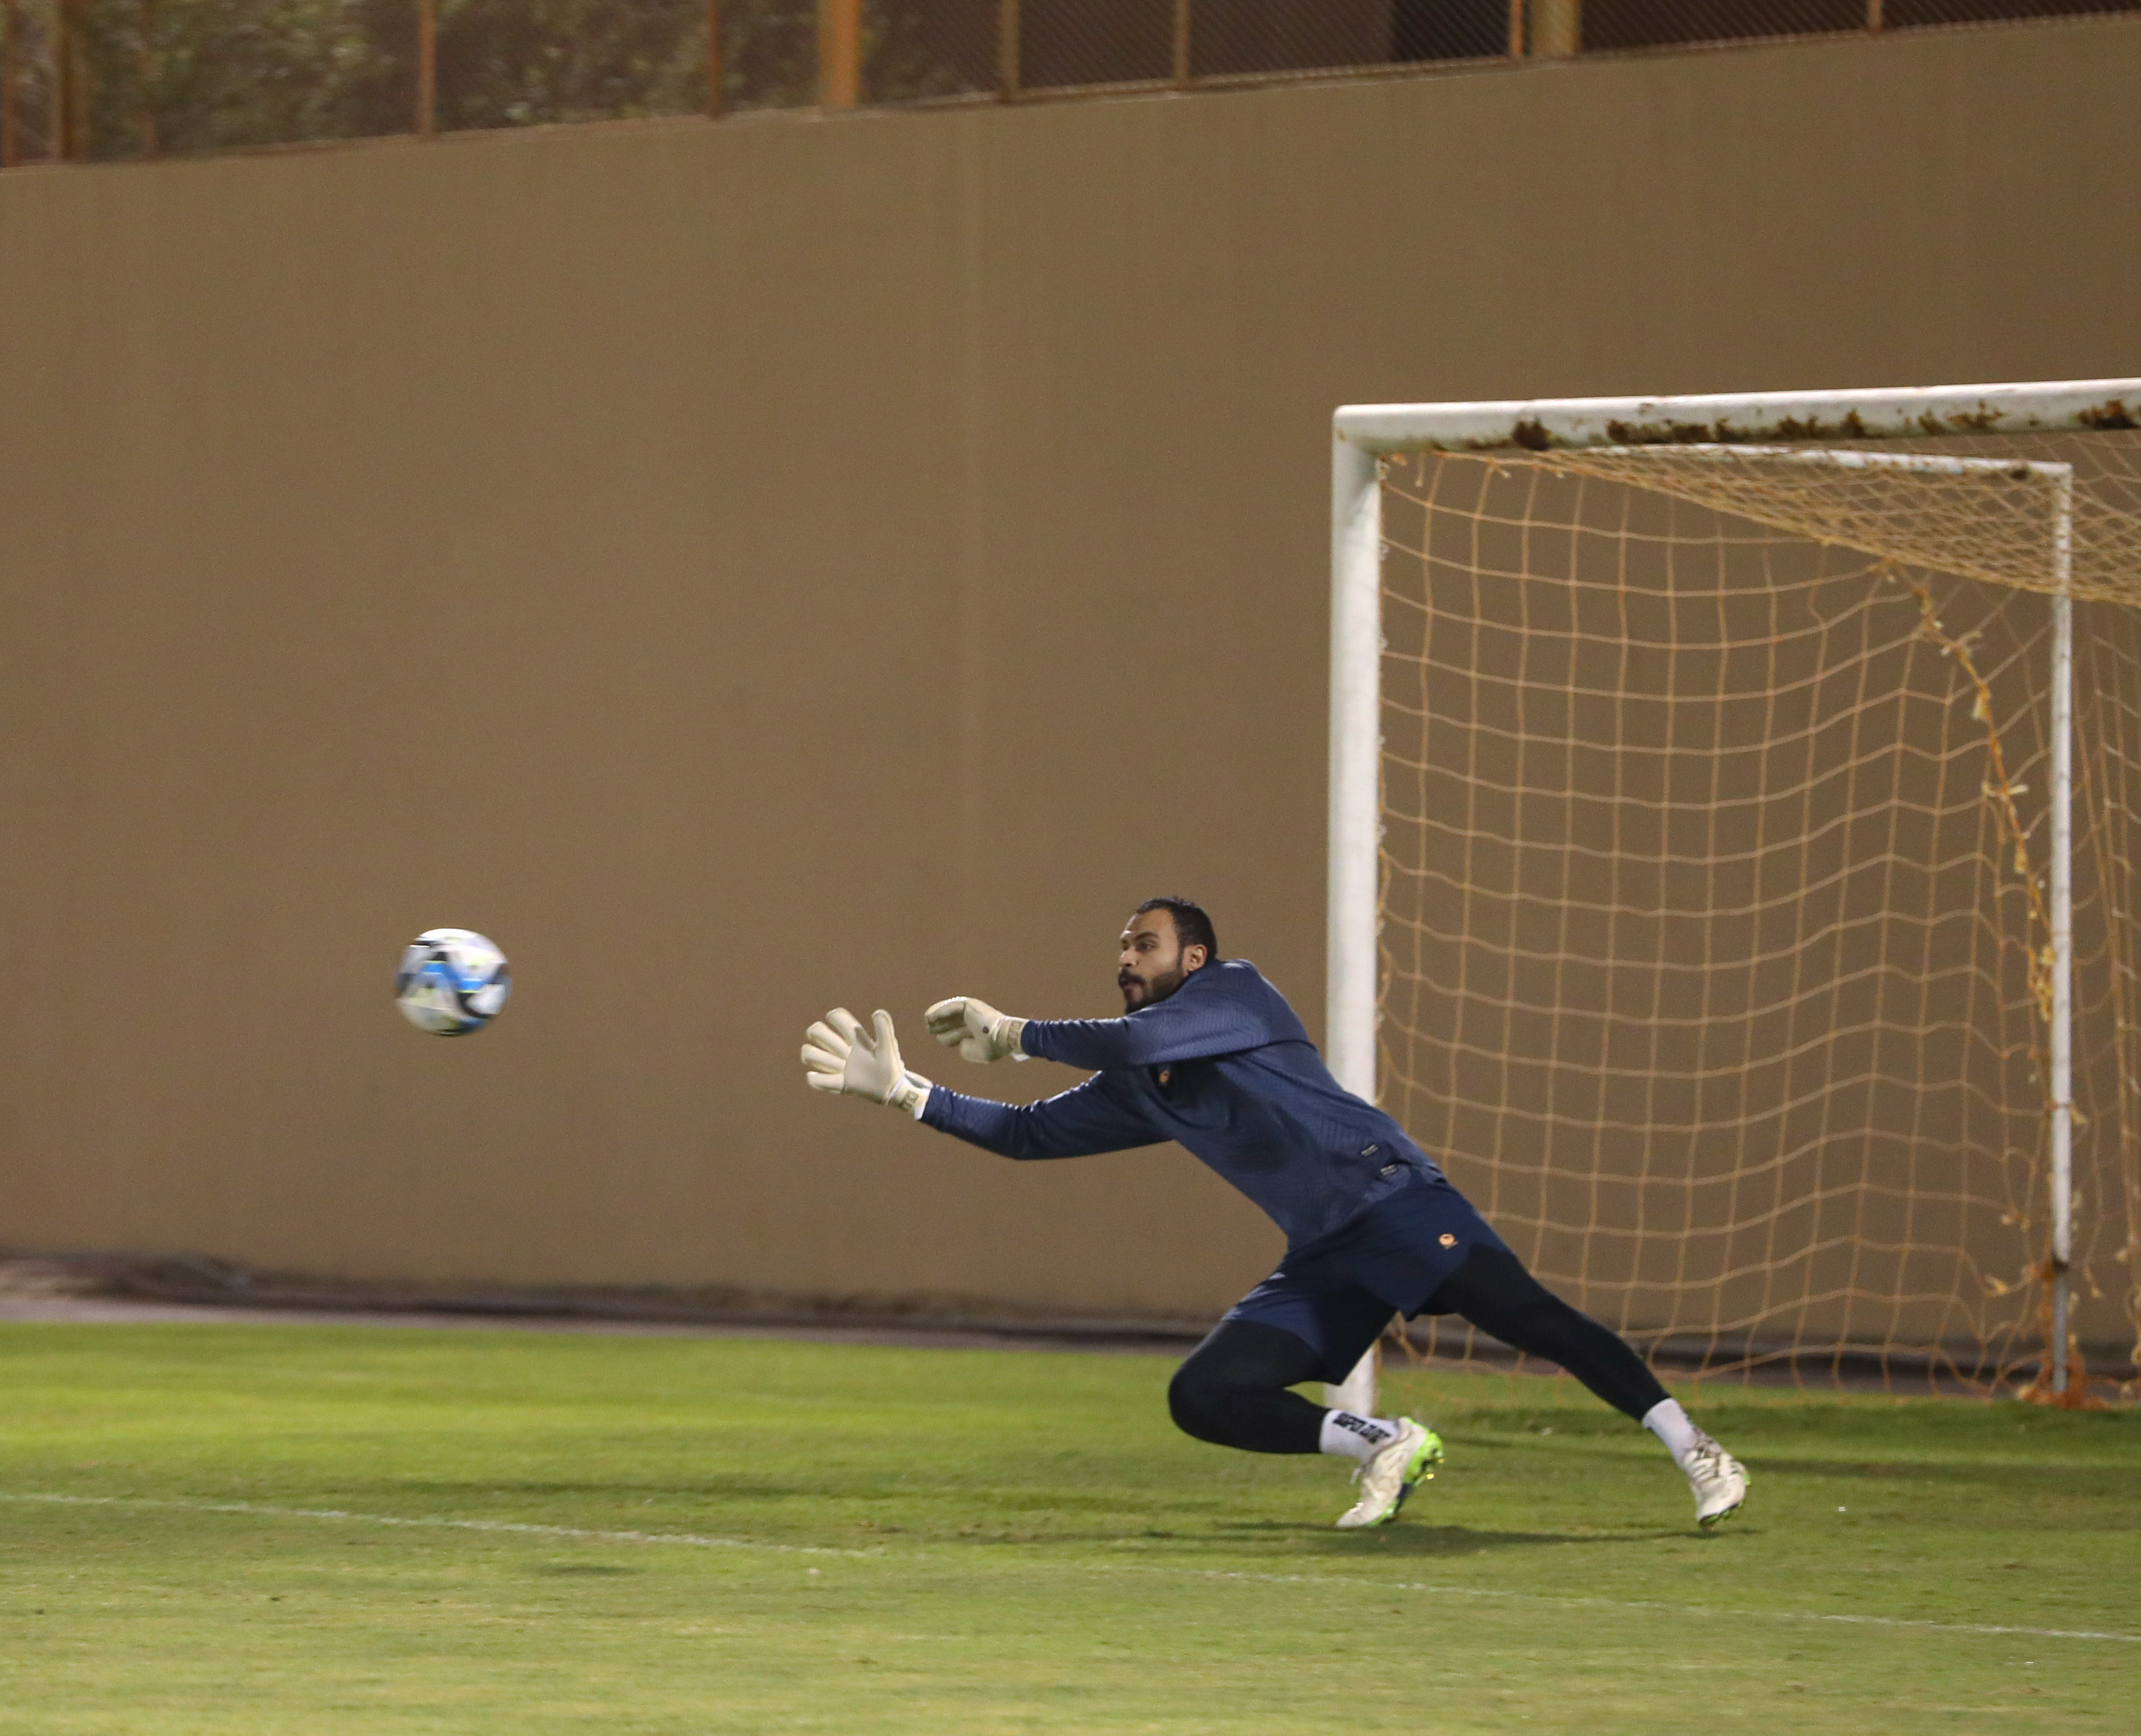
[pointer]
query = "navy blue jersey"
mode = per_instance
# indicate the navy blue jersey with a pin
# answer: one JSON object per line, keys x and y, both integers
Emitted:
{"x": 1224, "y": 1067}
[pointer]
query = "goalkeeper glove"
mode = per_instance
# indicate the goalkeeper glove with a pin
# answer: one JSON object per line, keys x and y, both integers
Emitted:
{"x": 840, "y": 1056}
{"x": 977, "y": 1030}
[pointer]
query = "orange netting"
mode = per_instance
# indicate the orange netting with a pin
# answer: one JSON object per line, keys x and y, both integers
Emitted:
{"x": 1715, "y": 935}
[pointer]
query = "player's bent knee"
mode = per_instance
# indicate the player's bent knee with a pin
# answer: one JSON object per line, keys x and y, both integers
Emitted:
{"x": 1199, "y": 1404}
{"x": 1233, "y": 1391}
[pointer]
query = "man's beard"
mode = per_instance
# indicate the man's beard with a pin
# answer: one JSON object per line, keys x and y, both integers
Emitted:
{"x": 1164, "y": 985}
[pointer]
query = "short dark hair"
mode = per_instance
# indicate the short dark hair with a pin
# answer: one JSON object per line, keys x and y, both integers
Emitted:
{"x": 1192, "y": 927}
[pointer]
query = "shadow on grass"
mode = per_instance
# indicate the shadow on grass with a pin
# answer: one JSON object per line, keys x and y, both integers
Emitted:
{"x": 1422, "y": 1542}
{"x": 583, "y": 1569}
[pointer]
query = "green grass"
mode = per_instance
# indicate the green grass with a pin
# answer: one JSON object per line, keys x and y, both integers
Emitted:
{"x": 1016, "y": 1543}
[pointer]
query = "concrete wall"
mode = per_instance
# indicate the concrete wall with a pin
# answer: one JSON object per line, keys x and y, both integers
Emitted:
{"x": 746, "y": 567}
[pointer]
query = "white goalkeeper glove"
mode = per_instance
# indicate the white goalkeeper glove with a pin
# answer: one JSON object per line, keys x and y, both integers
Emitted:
{"x": 840, "y": 1056}
{"x": 977, "y": 1030}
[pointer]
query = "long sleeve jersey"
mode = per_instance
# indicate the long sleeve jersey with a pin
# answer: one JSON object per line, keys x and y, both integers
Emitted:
{"x": 1223, "y": 1066}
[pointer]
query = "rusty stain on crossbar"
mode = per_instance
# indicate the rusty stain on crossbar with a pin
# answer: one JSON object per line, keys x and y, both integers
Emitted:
{"x": 1572, "y": 423}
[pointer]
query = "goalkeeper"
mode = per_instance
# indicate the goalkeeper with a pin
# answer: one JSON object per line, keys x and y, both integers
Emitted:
{"x": 1210, "y": 1054}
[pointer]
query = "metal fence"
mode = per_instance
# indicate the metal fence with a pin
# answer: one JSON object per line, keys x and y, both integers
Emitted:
{"x": 104, "y": 79}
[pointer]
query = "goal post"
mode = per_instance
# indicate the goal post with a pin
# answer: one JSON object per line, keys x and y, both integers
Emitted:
{"x": 1351, "y": 1000}
{"x": 1603, "y": 605}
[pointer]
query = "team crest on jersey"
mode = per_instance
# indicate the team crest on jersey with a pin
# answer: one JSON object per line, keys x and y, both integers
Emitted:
{"x": 1449, "y": 1240}
{"x": 1166, "y": 1077}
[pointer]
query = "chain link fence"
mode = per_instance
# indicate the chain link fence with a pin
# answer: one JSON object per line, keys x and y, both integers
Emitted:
{"x": 107, "y": 79}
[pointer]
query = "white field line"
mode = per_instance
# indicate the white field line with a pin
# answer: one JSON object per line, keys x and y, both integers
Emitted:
{"x": 684, "y": 1539}
{"x": 689, "y": 1540}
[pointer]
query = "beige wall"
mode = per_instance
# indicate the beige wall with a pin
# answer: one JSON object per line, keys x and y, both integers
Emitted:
{"x": 745, "y": 566}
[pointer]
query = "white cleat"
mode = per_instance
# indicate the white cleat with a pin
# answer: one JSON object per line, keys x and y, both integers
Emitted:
{"x": 1391, "y": 1475}
{"x": 1719, "y": 1480}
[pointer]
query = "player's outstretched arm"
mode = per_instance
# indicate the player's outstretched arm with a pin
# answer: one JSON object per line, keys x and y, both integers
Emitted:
{"x": 1184, "y": 1028}
{"x": 1096, "y": 1116}
{"x": 1196, "y": 1022}
{"x": 977, "y": 1030}
{"x": 840, "y": 1056}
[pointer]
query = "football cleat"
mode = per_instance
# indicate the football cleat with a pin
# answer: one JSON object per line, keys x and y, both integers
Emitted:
{"x": 1719, "y": 1480}
{"x": 1387, "y": 1478}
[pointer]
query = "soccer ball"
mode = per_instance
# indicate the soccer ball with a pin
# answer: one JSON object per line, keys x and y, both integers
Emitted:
{"x": 452, "y": 982}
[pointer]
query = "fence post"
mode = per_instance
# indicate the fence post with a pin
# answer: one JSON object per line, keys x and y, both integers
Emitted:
{"x": 1557, "y": 29}
{"x": 148, "y": 78}
{"x": 65, "y": 97}
{"x": 427, "y": 66}
{"x": 9, "y": 29}
{"x": 1181, "y": 22}
{"x": 1008, "y": 66}
{"x": 1516, "y": 30}
{"x": 1873, "y": 19}
{"x": 839, "y": 53}
{"x": 713, "y": 60}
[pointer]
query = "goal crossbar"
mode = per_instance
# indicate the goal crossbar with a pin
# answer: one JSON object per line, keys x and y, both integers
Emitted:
{"x": 1739, "y": 419}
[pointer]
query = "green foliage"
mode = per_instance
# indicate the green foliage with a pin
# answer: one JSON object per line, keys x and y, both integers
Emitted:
{"x": 514, "y": 63}
{"x": 181, "y": 75}
{"x": 175, "y": 76}
{"x": 1010, "y": 1542}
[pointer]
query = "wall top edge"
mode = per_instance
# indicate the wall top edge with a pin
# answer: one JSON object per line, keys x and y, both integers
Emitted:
{"x": 1738, "y": 418}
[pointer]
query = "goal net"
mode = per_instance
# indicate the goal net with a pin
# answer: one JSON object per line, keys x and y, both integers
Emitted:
{"x": 1745, "y": 837}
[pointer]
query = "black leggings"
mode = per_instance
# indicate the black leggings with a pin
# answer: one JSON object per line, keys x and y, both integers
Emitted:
{"x": 1233, "y": 1390}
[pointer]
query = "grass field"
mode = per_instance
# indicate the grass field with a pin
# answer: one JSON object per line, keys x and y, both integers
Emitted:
{"x": 239, "y": 1529}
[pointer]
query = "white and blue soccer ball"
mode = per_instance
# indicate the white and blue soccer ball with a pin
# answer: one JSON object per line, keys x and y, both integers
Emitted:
{"x": 452, "y": 982}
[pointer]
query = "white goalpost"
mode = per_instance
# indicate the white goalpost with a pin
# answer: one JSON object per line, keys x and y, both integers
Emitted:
{"x": 1676, "y": 904}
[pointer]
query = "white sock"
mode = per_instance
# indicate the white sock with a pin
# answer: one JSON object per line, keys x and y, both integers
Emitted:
{"x": 1351, "y": 1437}
{"x": 1669, "y": 1423}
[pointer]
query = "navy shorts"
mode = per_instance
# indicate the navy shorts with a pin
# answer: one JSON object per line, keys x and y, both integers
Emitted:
{"x": 1337, "y": 1293}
